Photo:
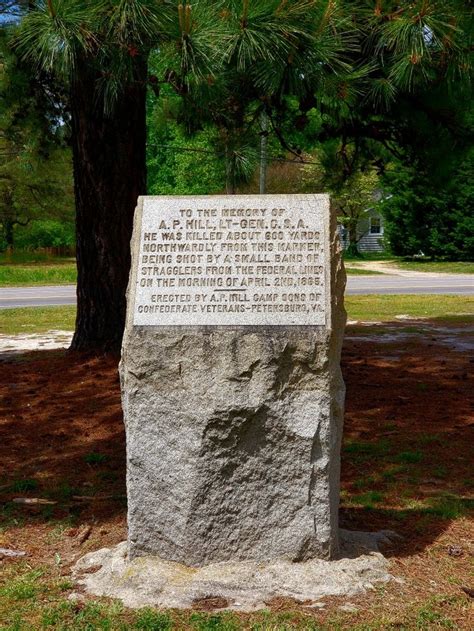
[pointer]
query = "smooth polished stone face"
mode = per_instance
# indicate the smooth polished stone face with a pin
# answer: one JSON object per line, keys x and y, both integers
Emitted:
{"x": 260, "y": 260}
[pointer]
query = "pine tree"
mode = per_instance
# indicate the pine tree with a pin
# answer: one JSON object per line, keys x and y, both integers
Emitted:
{"x": 99, "y": 50}
{"x": 368, "y": 67}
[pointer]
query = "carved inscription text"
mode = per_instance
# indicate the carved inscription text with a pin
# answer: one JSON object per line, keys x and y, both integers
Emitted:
{"x": 239, "y": 260}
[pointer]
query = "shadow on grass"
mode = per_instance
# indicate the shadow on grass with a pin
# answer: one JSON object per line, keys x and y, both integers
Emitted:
{"x": 405, "y": 462}
{"x": 62, "y": 436}
{"x": 406, "y": 458}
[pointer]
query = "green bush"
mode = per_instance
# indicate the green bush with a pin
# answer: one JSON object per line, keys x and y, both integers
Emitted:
{"x": 432, "y": 218}
{"x": 44, "y": 233}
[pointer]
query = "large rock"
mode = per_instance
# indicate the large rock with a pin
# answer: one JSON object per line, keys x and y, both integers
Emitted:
{"x": 233, "y": 437}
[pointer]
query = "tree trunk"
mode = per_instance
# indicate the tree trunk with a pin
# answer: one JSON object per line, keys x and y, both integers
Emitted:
{"x": 229, "y": 170}
{"x": 352, "y": 249}
{"x": 109, "y": 174}
{"x": 8, "y": 226}
{"x": 263, "y": 153}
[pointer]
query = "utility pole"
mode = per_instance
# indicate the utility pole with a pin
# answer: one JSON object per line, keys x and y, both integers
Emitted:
{"x": 263, "y": 152}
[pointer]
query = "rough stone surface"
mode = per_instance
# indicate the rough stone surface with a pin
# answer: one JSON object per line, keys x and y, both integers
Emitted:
{"x": 233, "y": 437}
{"x": 243, "y": 586}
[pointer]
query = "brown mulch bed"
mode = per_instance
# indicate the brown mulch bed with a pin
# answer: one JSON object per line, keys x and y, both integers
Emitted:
{"x": 407, "y": 460}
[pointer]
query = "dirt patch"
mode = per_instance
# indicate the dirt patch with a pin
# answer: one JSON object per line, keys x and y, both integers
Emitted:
{"x": 407, "y": 462}
{"x": 62, "y": 439}
{"x": 388, "y": 267}
{"x": 210, "y": 603}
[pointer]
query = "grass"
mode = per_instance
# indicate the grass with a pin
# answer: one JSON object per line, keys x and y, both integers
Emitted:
{"x": 371, "y": 308}
{"x": 27, "y": 257}
{"x": 442, "y": 267}
{"x": 29, "y": 268}
{"x": 417, "y": 265}
{"x": 63, "y": 273}
{"x": 33, "y": 268}
{"x": 409, "y": 457}
{"x": 95, "y": 458}
{"x": 368, "y": 256}
{"x": 37, "y": 319}
{"x": 20, "y": 486}
{"x": 375, "y": 308}
{"x": 356, "y": 271}
{"x": 35, "y": 600}
{"x": 385, "y": 487}
{"x": 397, "y": 481}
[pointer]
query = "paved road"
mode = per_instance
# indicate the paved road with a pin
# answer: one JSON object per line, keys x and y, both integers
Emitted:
{"x": 40, "y": 296}
{"x": 418, "y": 284}
{"x": 443, "y": 284}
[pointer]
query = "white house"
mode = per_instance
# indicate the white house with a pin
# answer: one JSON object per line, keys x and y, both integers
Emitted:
{"x": 370, "y": 229}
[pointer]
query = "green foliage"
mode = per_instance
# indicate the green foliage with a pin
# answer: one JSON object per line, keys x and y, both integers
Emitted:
{"x": 177, "y": 163}
{"x": 431, "y": 216}
{"x": 45, "y": 233}
{"x": 35, "y": 163}
{"x": 368, "y": 499}
{"x": 358, "y": 84}
{"x": 409, "y": 457}
{"x": 24, "y": 587}
{"x": 150, "y": 620}
{"x": 449, "y": 506}
{"x": 214, "y": 622}
{"x": 386, "y": 308}
{"x": 24, "y": 485}
{"x": 366, "y": 308}
{"x": 37, "y": 319}
{"x": 365, "y": 450}
{"x": 52, "y": 34}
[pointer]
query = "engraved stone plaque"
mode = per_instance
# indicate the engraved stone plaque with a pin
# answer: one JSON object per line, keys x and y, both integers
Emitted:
{"x": 233, "y": 260}
{"x": 232, "y": 390}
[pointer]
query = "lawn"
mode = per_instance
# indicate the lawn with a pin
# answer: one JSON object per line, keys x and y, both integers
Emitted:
{"x": 372, "y": 308}
{"x": 64, "y": 273}
{"x": 26, "y": 268}
{"x": 442, "y": 267}
{"x": 356, "y": 271}
{"x": 405, "y": 466}
{"x": 37, "y": 319}
{"x": 418, "y": 265}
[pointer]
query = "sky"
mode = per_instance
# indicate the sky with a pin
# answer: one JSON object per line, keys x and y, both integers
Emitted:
{"x": 4, "y": 15}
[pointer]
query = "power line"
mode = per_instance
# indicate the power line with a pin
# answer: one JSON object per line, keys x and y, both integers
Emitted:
{"x": 222, "y": 154}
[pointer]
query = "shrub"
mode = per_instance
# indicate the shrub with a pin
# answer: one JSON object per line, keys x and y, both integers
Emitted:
{"x": 45, "y": 233}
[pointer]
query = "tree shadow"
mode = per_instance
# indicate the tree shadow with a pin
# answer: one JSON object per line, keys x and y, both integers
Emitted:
{"x": 62, "y": 435}
{"x": 406, "y": 456}
{"x": 407, "y": 452}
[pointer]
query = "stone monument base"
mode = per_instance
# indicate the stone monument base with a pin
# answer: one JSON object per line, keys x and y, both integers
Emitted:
{"x": 236, "y": 585}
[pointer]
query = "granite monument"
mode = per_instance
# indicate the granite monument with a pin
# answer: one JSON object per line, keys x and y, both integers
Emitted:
{"x": 231, "y": 384}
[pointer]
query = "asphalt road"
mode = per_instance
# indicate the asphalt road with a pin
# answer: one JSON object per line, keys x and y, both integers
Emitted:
{"x": 416, "y": 284}
{"x": 43, "y": 296}
{"x": 40, "y": 296}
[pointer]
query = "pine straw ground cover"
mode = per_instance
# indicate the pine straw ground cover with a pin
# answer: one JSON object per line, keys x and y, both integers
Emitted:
{"x": 407, "y": 465}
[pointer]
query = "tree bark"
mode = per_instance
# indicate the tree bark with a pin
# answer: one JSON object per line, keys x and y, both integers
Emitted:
{"x": 8, "y": 226}
{"x": 263, "y": 153}
{"x": 229, "y": 170}
{"x": 109, "y": 174}
{"x": 352, "y": 249}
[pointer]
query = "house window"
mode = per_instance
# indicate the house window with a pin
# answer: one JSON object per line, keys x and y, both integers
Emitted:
{"x": 375, "y": 225}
